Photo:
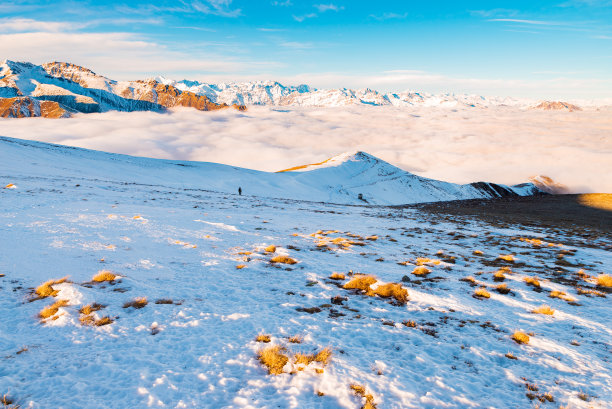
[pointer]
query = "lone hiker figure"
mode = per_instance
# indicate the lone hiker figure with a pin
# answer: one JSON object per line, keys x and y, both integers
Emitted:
{"x": 239, "y": 191}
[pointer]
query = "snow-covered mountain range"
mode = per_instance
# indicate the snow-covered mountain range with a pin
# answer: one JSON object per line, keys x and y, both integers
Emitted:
{"x": 349, "y": 178}
{"x": 58, "y": 89}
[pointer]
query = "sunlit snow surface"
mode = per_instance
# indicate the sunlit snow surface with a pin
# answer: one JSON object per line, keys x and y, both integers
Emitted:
{"x": 59, "y": 221}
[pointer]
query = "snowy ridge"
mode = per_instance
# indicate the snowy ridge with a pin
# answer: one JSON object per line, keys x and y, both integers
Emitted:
{"x": 351, "y": 178}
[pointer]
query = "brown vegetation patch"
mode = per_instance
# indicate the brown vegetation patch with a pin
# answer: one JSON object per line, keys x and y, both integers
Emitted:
{"x": 137, "y": 303}
{"x": 361, "y": 282}
{"x": 164, "y": 301}
{"x": 263, "y": 338}
{"x": 502, "y": 289}
{"x": 270, "y": 249}
{"x": 91, "y": 308}
{"x": 561, "y": 295}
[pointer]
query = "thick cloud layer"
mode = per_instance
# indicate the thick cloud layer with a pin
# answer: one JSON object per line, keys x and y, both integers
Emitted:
{"x": 503, "y": 145}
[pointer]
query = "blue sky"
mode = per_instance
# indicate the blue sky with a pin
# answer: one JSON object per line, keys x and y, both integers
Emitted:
{"x": 551, "y": 49}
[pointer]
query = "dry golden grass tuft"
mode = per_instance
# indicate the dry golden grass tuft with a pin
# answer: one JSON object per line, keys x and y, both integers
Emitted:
{"x": 510, "y": 355}
{"x": 91, "y": 308}
{"x": 392, "y": 290}
{"x": 544, "y": 309}
{"x": 360, "y": 390}
{"x": 89, "y": 320}
{"x": 52, "y": 309}
{"x": 561, "y": 295}
{"x": 46, "y": 289}
{"x": 477, "y": 253}
{"x": 240, "y": 266}
{"x": 103, "y": 276}
{"x": 502, "y": 289}
{"x": 423, "y": 260}
{"x": 506, "y": 257}
{"x": 361, "y": 282}
{"x": 8, "y": 402}
{"x": 337, "y": 276}
{"x": 270, "y": 249}
{"x": 410, "y": 324}
{"x": 283, "y": 260}
{"x": 421, "y": 271}
{"x": 323, "y": 356}
{"x": 499, "y": 276}
{"x": 520, "y": 337}
{"x": 296, "y": 339}
{"x": 137, "y": 303}
{"x": 604, "y": 280}
{"x": 263, "y": 338}
{"x": 482, "y": 292}
{"x": 468, "y": 279}
{"x": 273, "y": 358}
{"x": 532, "y": 281}
{"x": 372, "y": 238}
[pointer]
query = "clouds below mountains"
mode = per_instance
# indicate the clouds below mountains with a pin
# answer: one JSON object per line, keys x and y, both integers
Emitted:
{"x": 502, "y": 145}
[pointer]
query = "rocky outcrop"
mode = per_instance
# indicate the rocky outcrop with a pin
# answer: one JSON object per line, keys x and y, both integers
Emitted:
{"x": 557, "y": 106}
{"x": 24, "y": 107}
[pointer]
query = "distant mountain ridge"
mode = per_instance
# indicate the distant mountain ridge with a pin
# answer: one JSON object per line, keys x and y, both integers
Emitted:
{"x": 26, "y": 87}
{"x": 59, "y": 89}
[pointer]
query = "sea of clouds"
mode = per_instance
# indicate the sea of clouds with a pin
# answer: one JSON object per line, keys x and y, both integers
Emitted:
{"x": 504, "y": 145}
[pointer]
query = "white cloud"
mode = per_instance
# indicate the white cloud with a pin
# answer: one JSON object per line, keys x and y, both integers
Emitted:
{"x": 30, "y": 25}
{"x": 328, "y": 7}
{"x": 389, "y": 16}
{"x": 216, "y": 7}
{"x": 504, "y": 145}
{"x": 304, "y": 17}
{"x": 529, "y": 22}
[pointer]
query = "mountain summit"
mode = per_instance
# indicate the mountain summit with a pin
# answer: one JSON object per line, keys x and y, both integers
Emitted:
{"x": 60, "y": 89}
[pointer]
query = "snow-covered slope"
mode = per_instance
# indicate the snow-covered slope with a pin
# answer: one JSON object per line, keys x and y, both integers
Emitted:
{"x": 199, "y": 294}
{"x": 352, "y": 178}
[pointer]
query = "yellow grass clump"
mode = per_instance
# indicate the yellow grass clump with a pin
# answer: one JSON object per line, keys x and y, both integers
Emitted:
{"x": 296, "y": 339}
{"x": 478, "y": 253}
{"x": 361, "y": 282}
{"x": 46, "y": 289}
{"x": 52, "y": 309}
{"x": 392, "y": 290}
{"x": 263, "y": 338}
{"x": 372, "y": 238}
{"x": 499, "y": 276}
{"x": 104, "y": 275}
{"x": 240, "y": 266}
{"x": 337, "y": 276}
{"x": 360, "y": 390}
{"x": 137, "y": 303}
{"x": 421, "y": 271}
{"x": 8, "y": 402}
{"x": 423, "y": 260}
{"x": 561, "y": 295}
{"x": 273, "y": 358}
{"x": 283, "y": 260}
{"x": 482, "y": 292}
{"x": 604, "y": 280}
{"x": 520, "y": 337}
{"x": 91, "y": 308}
{"x": 544, "y": 309}
{"x": 532, "y": 281}
{"x": 506, "y": 257}
{"x": 270, "y": 249}
{"x": 502, "y": 289}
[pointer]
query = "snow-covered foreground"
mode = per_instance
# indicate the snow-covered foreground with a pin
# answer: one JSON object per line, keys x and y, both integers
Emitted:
{"x": 199, "y": 258}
